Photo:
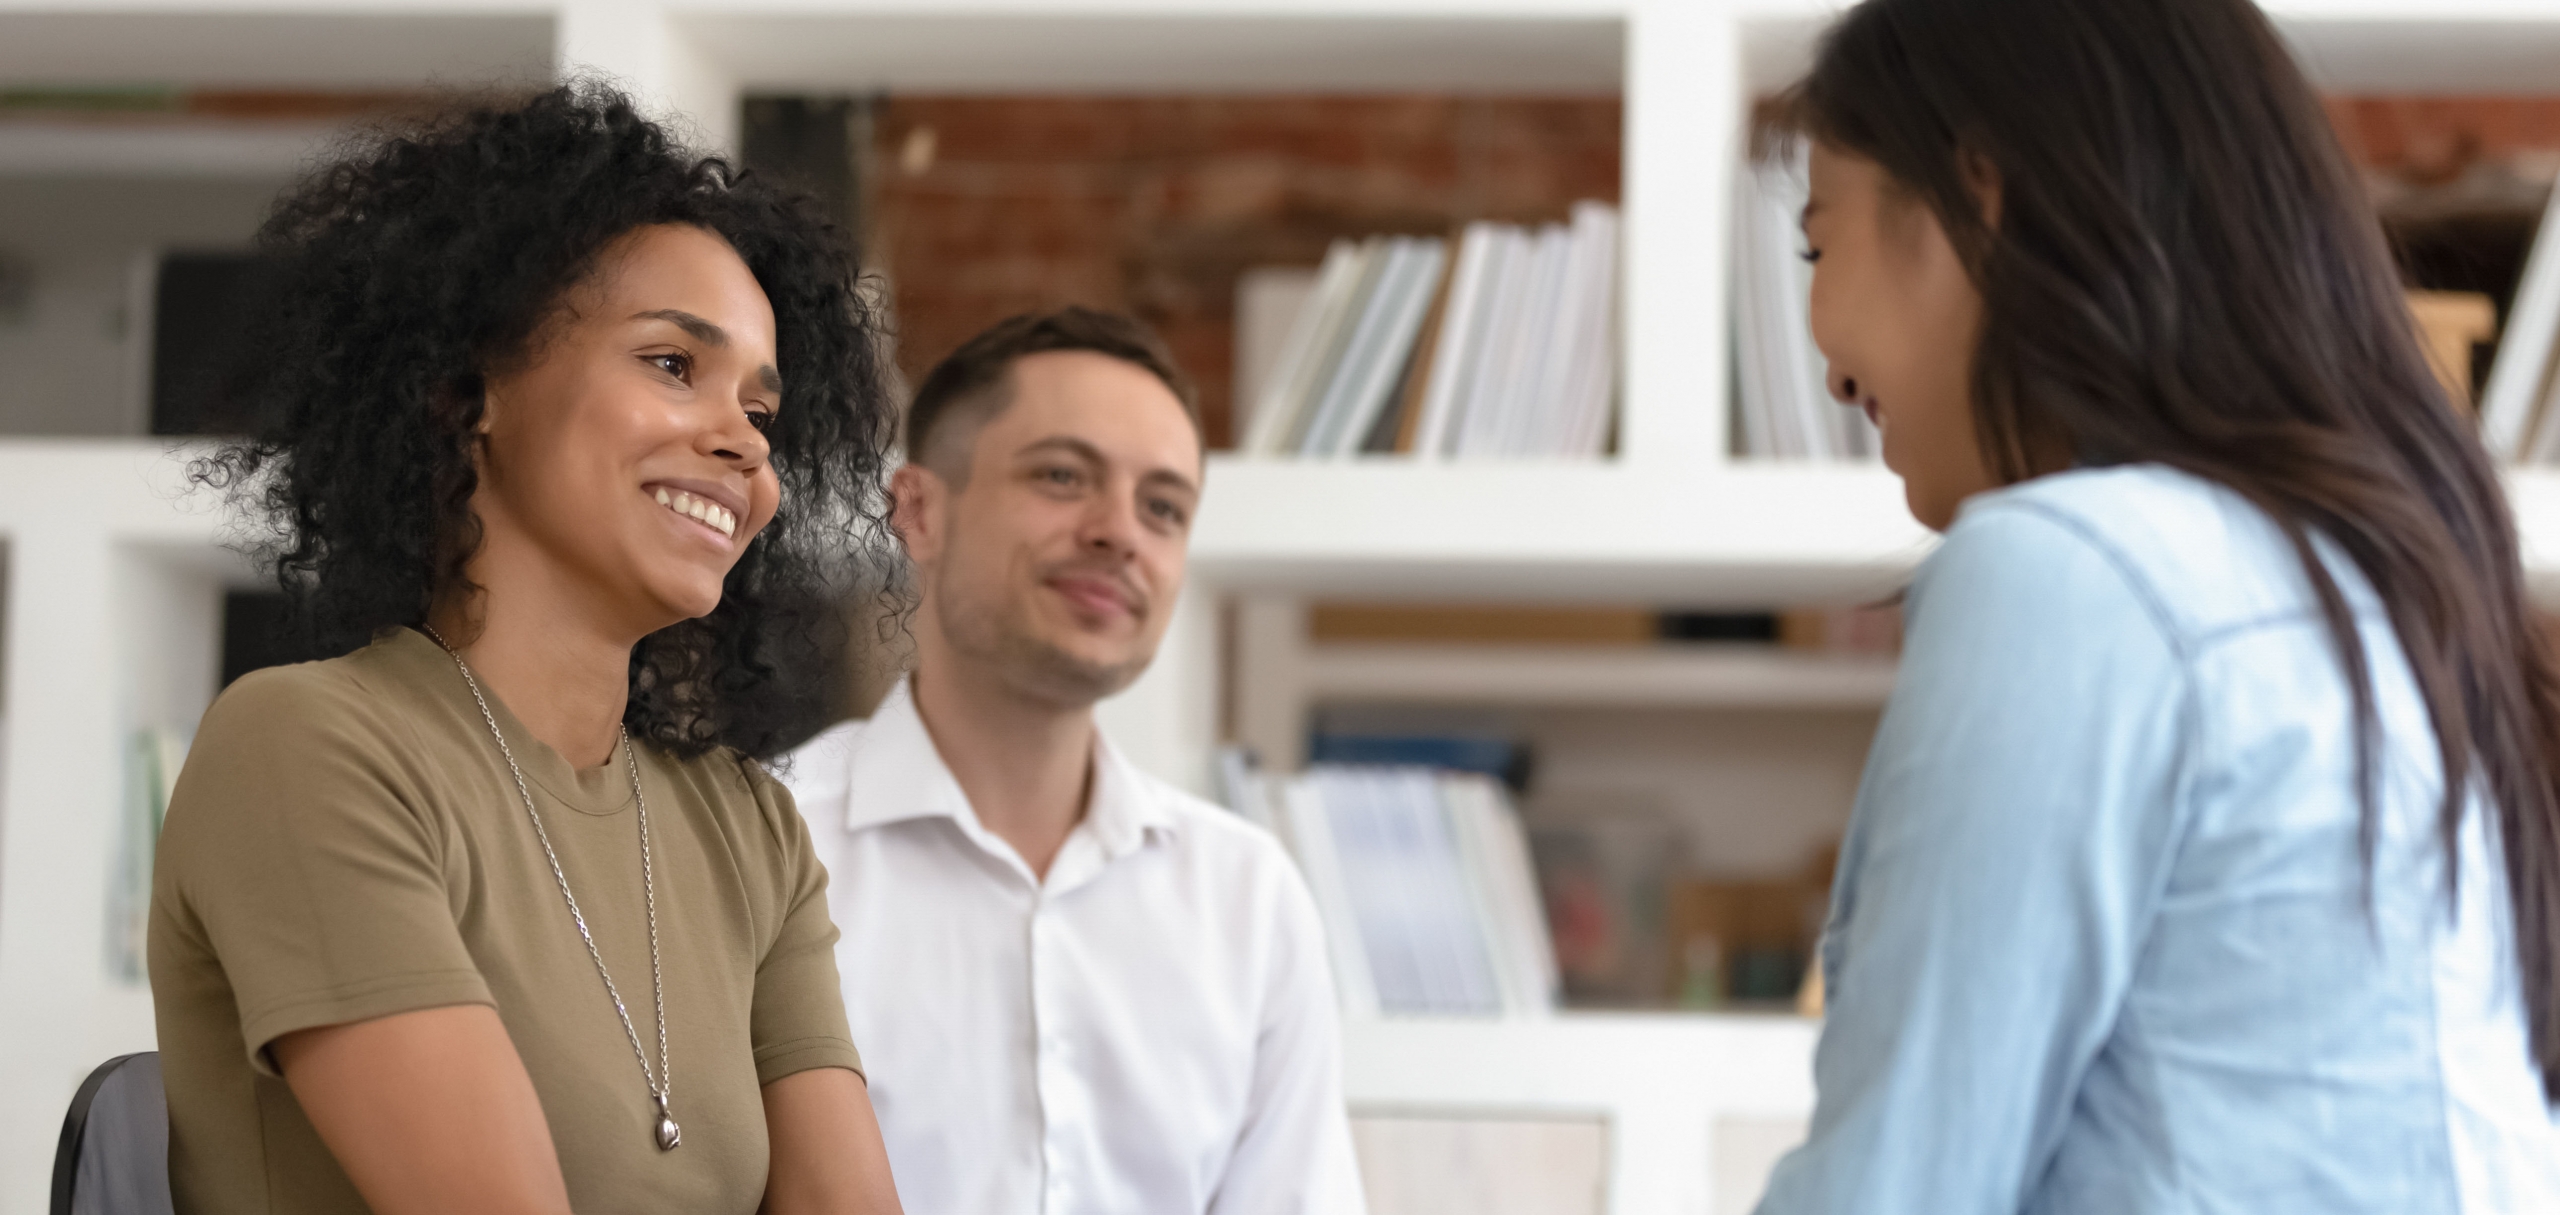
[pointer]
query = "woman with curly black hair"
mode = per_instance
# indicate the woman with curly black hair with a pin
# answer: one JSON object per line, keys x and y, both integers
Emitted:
{"x": 497, "y": 912}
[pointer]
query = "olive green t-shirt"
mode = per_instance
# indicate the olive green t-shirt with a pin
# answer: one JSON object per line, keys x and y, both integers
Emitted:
{"x": 346, "y": 843}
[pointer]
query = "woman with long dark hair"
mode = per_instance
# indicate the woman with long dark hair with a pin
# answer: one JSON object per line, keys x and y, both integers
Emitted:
{"x": 497, "y": 912}
{"x": 2208, "y": 858}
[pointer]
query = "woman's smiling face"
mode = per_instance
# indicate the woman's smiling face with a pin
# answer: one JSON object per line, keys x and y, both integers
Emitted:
{"x": 1898, "y": 317}
{"x": 626, "y": 461}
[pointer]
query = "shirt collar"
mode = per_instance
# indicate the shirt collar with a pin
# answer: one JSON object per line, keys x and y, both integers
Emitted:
{"x": 893, "y": 772}
{"x": 1125, "y": 806}
{"x": 897, "y": 774}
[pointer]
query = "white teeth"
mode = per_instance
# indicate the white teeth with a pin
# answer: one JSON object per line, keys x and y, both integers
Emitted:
{"x": 700, "y": 510}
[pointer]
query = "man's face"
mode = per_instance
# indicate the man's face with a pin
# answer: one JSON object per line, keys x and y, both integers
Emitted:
{"x": 1055, "y": 565}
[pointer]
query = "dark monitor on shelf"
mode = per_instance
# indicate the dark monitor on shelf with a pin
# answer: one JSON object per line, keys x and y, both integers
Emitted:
{"x": 201, "y": 306}
{"x": 257, "y": 632}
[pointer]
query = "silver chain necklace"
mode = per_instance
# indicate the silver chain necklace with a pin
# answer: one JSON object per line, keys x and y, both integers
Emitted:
{"x": 660, "y": 1081}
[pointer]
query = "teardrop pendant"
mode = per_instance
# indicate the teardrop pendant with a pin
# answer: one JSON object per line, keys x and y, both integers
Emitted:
{"x": 669, "y": 1134}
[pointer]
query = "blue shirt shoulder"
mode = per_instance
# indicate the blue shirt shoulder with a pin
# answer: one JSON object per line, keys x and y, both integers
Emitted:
{"x": 2195, "y": 556}
{"x": 2103, "y": 939}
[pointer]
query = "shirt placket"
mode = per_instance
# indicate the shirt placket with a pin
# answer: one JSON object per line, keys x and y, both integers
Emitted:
{"x": 1063, "y": 1100}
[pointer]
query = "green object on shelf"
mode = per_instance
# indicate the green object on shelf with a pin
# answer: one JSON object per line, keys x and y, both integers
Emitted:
{"x": 92, "y": 101}
{"x": 1767, "y": 973}
{"x": 151, "y": 772}
{"x": 1702, "y": 974}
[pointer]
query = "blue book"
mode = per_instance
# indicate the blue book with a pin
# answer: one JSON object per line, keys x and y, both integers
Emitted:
{"x": 1499, "y": 758}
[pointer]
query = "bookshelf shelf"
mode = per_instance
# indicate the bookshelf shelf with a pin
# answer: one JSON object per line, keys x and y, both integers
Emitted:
{"x": 231, "y": 151}
{"x": 2417, "y": 46}
{"x": 1666, "y": 676}
{"x": 1701, "y": 1145}
{"x": 1545, "y": 47}
{"x": 114, "y": 588}
{"x": 299, "y": 44}
{"x": 1592, "y": 531}
{"x": 1732, "y": 534}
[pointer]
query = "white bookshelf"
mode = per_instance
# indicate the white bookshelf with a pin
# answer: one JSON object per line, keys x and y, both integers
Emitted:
{"x": 1711, "y": 675}
{"x": 112, "y": 623}
{"x": 113, "y": 579}
{"x": 1693, "y": 1110}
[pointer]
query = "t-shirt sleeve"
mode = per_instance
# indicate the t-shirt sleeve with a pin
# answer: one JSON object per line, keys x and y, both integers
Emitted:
{"x": 304, "y": 860}
{"x": 799, "y": 1020}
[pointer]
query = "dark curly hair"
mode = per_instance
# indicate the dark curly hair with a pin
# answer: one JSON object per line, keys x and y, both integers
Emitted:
{"x": 431, "y": 258}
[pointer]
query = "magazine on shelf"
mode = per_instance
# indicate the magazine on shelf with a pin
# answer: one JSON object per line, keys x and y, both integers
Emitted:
{"x": 1518, "y": 351}
{"x": 1378, "y": 260}
{"x": 1400, "y": 869}
{"x": 1587, "y": 386}
{"x": 1504, "y": 883}
{"x": 1423, "y": 880}
{"x": 1305, "y": 367}
{"x": 1462, "y": 329}
{"x": 1391, "y": 429}
{"x": 1294, "y": 365}
{"x": 1310, "y": 838}
{"x": 2514, "y": 404}
{"x": 1502, "y": 342}
{"x": 1381, "y": 345}
{"x": 1507, "y": 290}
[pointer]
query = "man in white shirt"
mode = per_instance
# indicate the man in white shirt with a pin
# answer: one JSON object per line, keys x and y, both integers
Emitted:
{"x": 1080, "y": 991}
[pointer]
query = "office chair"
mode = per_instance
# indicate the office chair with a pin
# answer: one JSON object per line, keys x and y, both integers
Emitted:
{"x": 114, "y": 1155}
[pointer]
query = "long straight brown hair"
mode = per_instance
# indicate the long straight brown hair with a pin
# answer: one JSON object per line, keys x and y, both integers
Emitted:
{"x": 2185, "y": 271}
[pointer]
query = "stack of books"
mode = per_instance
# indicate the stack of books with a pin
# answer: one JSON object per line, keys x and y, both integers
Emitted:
{"x": 1507, "y": 348}
{"x": 1784, "y": 409}
{"x": 1424, "y": 881}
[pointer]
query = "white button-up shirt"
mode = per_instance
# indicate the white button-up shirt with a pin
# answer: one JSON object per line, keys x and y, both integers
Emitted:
{"x": 1150, "y": 1030}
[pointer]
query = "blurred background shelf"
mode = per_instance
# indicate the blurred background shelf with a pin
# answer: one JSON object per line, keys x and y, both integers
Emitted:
{"x": 1554, "y": 46}
{"x": 1719, "y": 532}
{"x": 220, "y": 150}
{"x": 1702, "y": 1143}
{"x": 1704, "y": 675}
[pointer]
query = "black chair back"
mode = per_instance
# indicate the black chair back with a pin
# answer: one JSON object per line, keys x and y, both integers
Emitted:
{"x": 114, "y": 1155}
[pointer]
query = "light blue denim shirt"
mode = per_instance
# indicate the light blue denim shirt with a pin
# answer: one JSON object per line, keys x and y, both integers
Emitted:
{"x": 2101, "y": 941}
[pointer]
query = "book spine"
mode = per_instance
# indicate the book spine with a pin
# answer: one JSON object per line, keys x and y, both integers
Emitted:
{"x": 2518, "y": 378}
{"x": 1395, "y": 346}
{"x": 1462, "y": 333}
{"x": 1299, "y": 351}
{"x": 1302, "y": 805}
{"x": 1340, "y": 327}
{"x": 1363, "y": 335}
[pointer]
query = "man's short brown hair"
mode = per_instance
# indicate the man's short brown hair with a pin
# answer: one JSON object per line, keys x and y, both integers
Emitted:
{"x": 969, "y": 385}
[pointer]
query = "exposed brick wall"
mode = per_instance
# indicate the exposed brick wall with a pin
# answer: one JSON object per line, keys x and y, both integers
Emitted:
{"x": 2435, "y": 138}
{"x": 2461, "y": 183}
{"x": 1155, "y": 205}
